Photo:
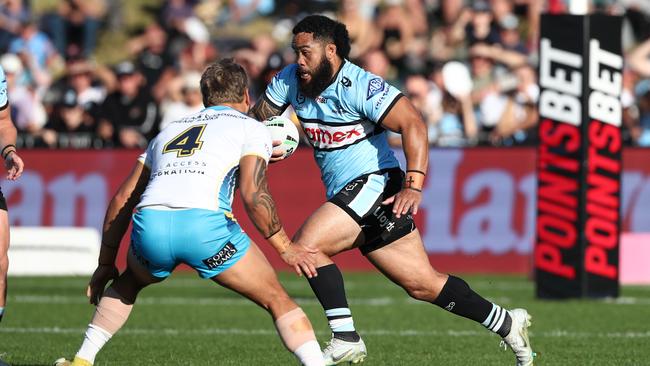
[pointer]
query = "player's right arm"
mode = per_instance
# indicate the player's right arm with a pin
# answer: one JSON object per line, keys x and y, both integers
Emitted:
{"x": 116, "y": 222}
{"x": 260, "y": 207}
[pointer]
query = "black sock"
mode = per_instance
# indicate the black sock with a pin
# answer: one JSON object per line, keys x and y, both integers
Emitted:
{"x": 457, "y": 297}
{"x": 330, "y": 291}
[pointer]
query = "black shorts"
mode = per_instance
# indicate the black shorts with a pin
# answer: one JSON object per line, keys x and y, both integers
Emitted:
{"x": 3, "y": 202}
{"x": 362, "y": 198}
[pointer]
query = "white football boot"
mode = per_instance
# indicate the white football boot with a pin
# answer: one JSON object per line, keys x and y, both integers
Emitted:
{"x": 517, "y": 339}
{"x": 339, "y": 351}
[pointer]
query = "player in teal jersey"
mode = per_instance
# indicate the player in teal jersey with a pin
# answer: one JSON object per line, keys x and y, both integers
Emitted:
{"x": 345, "y": 112}
{"x": 14, "y": 165}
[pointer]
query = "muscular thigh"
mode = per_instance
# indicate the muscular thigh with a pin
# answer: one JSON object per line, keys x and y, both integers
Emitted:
{"x": 406, "y": 263}
{"x": 329, "y": 229}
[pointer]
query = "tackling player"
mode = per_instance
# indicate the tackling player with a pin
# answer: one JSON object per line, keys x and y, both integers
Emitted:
{"x": 182, "y": 189}
{"x": 345, "y": 112}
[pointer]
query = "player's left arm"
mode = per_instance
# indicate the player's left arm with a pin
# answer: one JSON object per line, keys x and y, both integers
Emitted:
{"x": 13, "y": 163}
{"x": 116, "y": 222}
{"x": 403, "y": 118}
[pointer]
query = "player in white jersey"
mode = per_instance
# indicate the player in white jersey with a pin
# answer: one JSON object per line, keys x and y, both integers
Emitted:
{"x": 182, "y": 189}
{"x": 345, "y": 112}
{"x": 14, "y": 165}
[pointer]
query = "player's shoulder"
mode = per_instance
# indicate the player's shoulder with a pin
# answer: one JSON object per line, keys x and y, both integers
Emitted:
{"x": 2, "y": 73}
{"x": 287, "y": 74}
{"x": 359, "y": 82}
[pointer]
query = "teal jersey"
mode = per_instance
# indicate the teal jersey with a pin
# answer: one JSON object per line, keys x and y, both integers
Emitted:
{"x": 4, "y": 101}
{"x": 343, "y": 124}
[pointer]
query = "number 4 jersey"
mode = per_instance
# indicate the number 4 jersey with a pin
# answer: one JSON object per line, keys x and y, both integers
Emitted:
{"x": 194, "y": 162}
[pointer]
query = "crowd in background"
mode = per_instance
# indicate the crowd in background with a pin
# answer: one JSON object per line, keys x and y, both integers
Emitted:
{"x": 63, "y": 96}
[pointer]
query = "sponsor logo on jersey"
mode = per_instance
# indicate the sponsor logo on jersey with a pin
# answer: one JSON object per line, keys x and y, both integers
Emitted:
{"x": 227, "y": 252}
{"x": 375, "y": 86}
{"x": 320, "y": 99}
{"x": 346, "y": 82}
{"x": 300, "y": 99}
{"x": 331, "y": 137}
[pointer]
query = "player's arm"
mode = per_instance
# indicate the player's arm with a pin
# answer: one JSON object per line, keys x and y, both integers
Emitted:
{"x": 260, "y": 207}
{"x": 264, "y": 109}
{"x": 13, "y": 163}
{"x": 403, "y": 118}
{"x": 116, "y": 222}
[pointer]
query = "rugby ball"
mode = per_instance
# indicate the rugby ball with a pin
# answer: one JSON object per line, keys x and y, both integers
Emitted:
{"x": 282, "y": 129}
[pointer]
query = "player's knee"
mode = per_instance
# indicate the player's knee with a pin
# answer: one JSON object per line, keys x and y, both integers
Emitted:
{"x": 276, "y": 300}
{"x": 420, "y": 290}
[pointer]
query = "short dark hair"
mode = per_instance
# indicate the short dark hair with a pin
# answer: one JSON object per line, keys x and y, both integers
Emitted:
{"x": 223, "y": 81}
{"x": 326, "y": 29}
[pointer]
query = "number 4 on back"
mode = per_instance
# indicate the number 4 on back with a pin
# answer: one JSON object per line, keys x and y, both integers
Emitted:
{"x": 186, "y": 143}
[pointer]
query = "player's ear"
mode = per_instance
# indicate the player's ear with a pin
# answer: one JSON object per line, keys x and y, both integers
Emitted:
{"x": 330, "y": 51}
{"x": 247, "y": 99}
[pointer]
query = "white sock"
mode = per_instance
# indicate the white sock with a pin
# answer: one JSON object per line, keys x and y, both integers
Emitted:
{"x": 94, "y": 340}
{"x": 310, "y": 354}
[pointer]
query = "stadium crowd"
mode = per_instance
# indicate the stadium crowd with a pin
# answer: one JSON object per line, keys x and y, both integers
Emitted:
{"x": 64, "y": 96}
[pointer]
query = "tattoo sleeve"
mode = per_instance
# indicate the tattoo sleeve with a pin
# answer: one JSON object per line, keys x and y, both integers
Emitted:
{"x": 263, "y": 109}
{"x": 268, "y": 222}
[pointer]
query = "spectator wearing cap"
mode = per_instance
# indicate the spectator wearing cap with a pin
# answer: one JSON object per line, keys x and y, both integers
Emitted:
{"x": 129, "y": 116}
{"x": 191, "y": 102}
{"x": 510, "y": 39}
{"x": 27, "y": 111}
{"x": 481, "y": 28}
{"x": 71, "y": 126}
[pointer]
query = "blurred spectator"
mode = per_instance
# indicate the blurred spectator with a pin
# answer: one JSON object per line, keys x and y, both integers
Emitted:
{"x": 513, "y": 109}
{"x": 642, "y": 91}
{"x": 153, "y": 58}
{"x": 509, "y": 37}
{"x": 129, "y": 115}
{"x": 427, "y": 99}
{"x": 33, "y": 44}
{"x": 364, "y": 35}
{"x": 27, "y": 111}
{"x": 192, "y": 100}
{"x": 13, "y": 13}
{"x": 244, "y": 11}
{"x": 71, "y": 126}
{"x": 74, "y": 27}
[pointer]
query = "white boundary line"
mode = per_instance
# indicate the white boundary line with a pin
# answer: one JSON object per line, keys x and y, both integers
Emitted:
{"x": 375, "y": 332}
{"x": 241, "y": 301}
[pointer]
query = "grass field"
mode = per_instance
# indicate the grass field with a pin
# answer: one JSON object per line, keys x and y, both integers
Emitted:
{"x": 188, "y": 321}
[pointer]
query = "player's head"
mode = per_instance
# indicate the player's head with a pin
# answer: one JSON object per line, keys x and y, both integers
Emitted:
{"x": 224, "y": 82}
{"x": 319, "y": 42}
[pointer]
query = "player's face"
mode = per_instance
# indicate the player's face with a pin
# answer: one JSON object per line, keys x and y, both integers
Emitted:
{"x": 315, "y": 70}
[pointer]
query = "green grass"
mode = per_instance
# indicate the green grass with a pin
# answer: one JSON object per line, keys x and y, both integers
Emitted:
{"x": 188, "y": 321}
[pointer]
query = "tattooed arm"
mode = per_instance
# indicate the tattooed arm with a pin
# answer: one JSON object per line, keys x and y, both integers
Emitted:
{"x": 264, "y": 109}
{"x": 261, "y": 209}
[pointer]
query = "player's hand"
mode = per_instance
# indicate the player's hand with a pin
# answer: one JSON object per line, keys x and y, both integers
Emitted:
{"x": 277, "y": 154}
{"x": 404, "y": 201}
{"x": 301, "y": 258}
{"x": 98, "y": 281}
{"x": 14, "y": 165}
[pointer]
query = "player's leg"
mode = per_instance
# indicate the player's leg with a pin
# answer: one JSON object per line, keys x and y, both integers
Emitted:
{"x": 4, "y": 258}
{"x": 332, "y": 230}
{"x": 113, "y": 310}
{"x": 148, "y": 261}
{"x": 406, "y": 263}
{"x": 253, "y": 277}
